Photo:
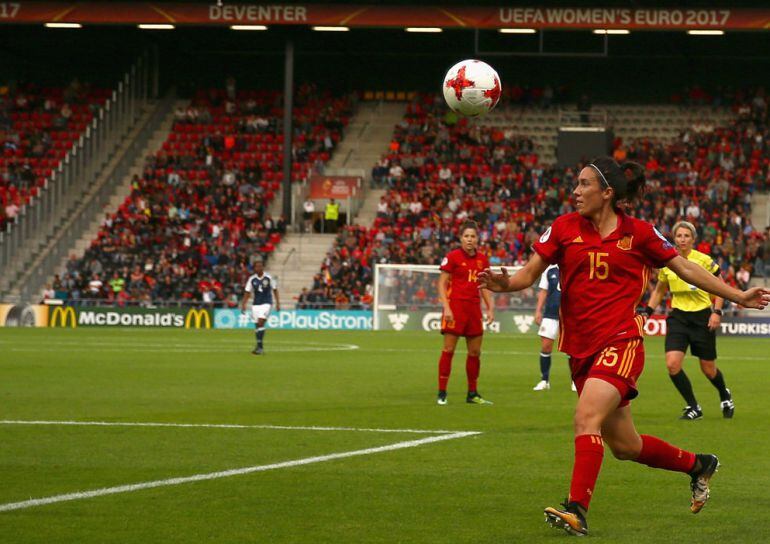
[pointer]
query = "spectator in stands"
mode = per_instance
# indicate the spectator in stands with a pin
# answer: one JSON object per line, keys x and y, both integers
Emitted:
{"x": 743, "y": 276}
{"x": 48, "y": 293}
{"x": 11, "y": 211}
{"x": 308, "y": 212}
{"x": 95, "y": 287}
{"x": 302, "y": 300}
{"x": 380, "y": 171}
{"x": 117, "y": 285}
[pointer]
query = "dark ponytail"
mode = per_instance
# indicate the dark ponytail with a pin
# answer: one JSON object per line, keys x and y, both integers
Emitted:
{"x": 627, "y": 180}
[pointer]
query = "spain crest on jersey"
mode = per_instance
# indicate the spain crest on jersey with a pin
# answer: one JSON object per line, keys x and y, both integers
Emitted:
{"x": 625, "y": 242}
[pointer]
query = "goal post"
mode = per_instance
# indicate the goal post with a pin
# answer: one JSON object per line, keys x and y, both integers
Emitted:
{"x": 406, "y": 298}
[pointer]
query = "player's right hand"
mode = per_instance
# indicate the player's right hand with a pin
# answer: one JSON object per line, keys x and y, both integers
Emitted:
{"x": 497, "y": 283}
{"x": 538, "y": 317}
{"x": 449, "y": 317}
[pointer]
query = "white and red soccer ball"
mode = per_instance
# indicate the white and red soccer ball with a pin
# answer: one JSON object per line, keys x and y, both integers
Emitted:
{"x": 472, "y": 88}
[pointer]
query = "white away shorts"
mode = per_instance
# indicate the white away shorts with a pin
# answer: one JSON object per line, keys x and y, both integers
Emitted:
{"x": 260, "y": 311}
{"x": 549, "y": 328}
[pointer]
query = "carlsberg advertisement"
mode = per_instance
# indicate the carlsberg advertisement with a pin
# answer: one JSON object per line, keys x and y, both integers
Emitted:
{"x": 508, "y": 322}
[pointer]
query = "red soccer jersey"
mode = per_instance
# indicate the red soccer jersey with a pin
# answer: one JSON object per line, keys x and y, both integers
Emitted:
{"x": 602, "y": 281}
{"x": 463, "y": 270}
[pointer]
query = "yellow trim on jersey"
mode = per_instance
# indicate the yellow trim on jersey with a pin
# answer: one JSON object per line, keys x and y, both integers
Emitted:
{"x": 686, "y": 297}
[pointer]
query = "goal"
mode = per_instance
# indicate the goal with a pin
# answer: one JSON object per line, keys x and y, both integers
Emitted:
{"x": 406, "y": 299}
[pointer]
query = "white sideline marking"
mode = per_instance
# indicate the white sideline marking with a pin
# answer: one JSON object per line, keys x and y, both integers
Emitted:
{"x": 223, "y": 426}
{"x": 226, "y": 473}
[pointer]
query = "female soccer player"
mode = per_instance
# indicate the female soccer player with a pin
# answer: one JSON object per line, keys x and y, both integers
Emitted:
{"x": 605, "y": 258}
{"x": 692, "y": 322}
{"x": 459, "y": 293}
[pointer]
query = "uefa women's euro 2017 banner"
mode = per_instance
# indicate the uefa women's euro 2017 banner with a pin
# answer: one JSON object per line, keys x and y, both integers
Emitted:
{"x": 348, "y": 320}
{"x": 379, "y": 16}
{"x": 339, "y": 187}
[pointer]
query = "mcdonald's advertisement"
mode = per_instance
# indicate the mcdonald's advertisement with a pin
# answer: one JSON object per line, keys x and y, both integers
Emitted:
{"x": 95, "y": 316}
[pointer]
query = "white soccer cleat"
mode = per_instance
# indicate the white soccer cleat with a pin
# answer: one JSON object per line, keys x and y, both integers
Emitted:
{"x": 542, "y": 385}
{"x": 574, "y": 387}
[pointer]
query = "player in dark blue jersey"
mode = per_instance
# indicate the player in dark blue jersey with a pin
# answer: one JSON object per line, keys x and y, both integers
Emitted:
{"x": 264, "y": 289}
{"x": 547, "y": 316}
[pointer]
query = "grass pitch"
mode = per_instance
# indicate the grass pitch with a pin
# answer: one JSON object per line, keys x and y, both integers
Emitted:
{"x": 489, "y": 487}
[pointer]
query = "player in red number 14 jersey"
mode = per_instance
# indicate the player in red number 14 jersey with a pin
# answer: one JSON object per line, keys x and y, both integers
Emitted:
{"x": 605, "y": 258}
{"x": 460, "y": 296}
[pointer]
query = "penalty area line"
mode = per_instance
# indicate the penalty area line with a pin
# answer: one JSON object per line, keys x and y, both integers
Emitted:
{"x": 227, "y": 473}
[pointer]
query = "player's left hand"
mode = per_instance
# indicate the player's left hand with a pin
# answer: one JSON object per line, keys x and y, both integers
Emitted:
{"x": 714, "y": 322}
{"x": 756, "y": 297}
{"x": 490, "y": 317}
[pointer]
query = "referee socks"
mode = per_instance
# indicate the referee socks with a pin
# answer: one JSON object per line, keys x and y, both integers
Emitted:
{"x": 718, "y": 381}
{"x": 683, "y": 385}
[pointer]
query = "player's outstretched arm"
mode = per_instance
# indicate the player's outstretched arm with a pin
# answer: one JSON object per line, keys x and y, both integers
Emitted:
{"x": 757, "y": 297}
{"x": 523, "y": 278}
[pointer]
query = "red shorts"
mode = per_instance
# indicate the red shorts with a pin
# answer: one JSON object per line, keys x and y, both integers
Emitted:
{"x": 620, "y": 364}
{"x": 467, "y": 319}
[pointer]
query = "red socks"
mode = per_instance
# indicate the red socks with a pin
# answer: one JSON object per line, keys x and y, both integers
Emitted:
{"x": 472, "y": 369}
{"x": 659, "y": 454}
{"x": 444, "y": 369}
{"x": 589, "y": 452}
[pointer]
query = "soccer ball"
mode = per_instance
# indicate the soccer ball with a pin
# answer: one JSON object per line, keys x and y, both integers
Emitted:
{"x": 472, "y": 88}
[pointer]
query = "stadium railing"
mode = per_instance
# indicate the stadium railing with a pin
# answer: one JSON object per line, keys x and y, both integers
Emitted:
{"x": 96, "y": 201}
{"x": 79, "y": 166}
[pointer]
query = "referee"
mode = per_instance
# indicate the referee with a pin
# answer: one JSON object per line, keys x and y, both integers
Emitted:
{"x": 692, "y": 322}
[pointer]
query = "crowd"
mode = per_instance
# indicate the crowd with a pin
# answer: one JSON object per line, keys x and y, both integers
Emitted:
{"x": 196, "y": 219}
{"x": 441, "y": 170}
{"x": 198, "y": 216}
{"x": 38, "y": 126}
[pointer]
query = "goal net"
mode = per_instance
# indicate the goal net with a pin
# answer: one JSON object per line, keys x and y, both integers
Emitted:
{"x": 406, "y": 299}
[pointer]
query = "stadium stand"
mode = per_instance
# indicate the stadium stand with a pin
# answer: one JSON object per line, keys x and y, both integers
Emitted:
{"x": 440, "y": 170}
{"x": 197, "y": 218}
{"x": 38, "y": 126}
{"x": 221, "y": 162}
